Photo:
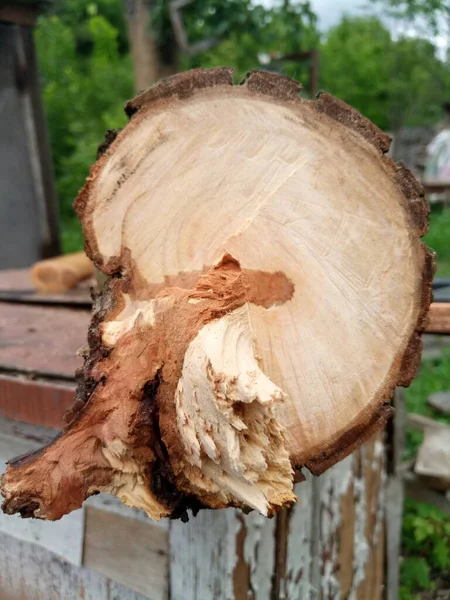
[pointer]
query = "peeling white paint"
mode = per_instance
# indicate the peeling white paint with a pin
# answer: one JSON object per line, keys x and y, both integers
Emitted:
{"x": 378, "y": 453}
{"x": 204, "y": 551}
{"x": 335, "y": 484}
{"x": 361, "y": 549}
{"x": 28, "y": 571}
{"x": 297, "y": 583}
{"x": 259, "y": 553}
{"x": 380, "y": 510}
{"x": 203, "y": 555}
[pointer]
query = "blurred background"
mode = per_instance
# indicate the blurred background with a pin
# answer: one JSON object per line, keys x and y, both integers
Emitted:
{"x": 389, "y": 59}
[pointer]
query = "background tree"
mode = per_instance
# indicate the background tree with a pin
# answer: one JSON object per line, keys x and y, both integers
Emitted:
{"x": 245, "y": 31}
{"x": 395, "y": 82}
{"x": 85, "y": 68}
{"x": 435, "y": 13}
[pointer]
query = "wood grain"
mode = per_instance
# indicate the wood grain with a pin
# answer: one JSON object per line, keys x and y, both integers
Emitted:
{"x": 36, "y": 402}
{"x": 42, "y": 339}
{"x": 129, "y": 551}
{"x": 28, "y": 572}
{"x": 439, "y": 318}
{"x": 222, "y": 555}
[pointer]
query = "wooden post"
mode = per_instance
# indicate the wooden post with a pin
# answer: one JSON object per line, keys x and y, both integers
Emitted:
{"x": 29, "y": 217}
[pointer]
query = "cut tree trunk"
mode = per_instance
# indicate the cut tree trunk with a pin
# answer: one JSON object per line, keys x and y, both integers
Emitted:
{"x": 267, "y": 291}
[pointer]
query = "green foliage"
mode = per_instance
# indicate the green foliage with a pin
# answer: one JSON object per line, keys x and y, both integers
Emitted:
{"x": 250, "y": 32}
{"x": 426, "y": 547}
{"x": 426, "y": 530}
{"x": 355, "y": 66}
{"x": 433, "y": 12}
{"x": 438, "y": 239}
{"x": 81, "y": 92}
{"x": 434, "y": 376}
{"x": 393, "y": 82}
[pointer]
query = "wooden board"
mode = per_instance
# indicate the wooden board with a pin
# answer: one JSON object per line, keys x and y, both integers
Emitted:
{"x": 16, "y": 286}
{"x": 43, "y": 340}
{"x": 132, "y": 552}
{"x": 36, "y": 402}
{"x": 28, "y": 572}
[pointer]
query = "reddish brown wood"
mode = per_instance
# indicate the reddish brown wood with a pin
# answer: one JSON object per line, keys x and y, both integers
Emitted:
{"x": 36, "y": 402}
{"x": 42, "y": 339}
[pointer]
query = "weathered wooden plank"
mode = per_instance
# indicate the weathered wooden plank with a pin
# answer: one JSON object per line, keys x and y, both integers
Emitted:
{"x": 433, "y": 457}
{"x": 423, "y": 423}
{"x": 39, "y": 145}
{"x": 297, "y": 584}
{"x": 368, "y": 579}
{"x": 330, "y": 545}
{"x": 222, "y": 555}
{"x": 36, "y": 402}
{"x": 259, "y": 555}
{"x": 29, "y": 572}
{"x": 131, "y": 552}
{"x": 335, "y": 485}
{"x": 112, "y": 504}
{"x": 440, "y": 401}
{"x": 42, "y": 339}
{"x": 204, "y": 556}
{"x": 352, "y": 521}
{"x": 21, "y": 243}
{"x": 392, "y": 535}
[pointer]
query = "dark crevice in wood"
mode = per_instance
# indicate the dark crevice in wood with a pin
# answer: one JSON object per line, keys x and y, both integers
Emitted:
{"x": 110, "y": 136}
{"x": 162, "y": 481}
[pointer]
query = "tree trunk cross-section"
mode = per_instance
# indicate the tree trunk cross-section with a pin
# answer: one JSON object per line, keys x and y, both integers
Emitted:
{"x": 267, "y": 291}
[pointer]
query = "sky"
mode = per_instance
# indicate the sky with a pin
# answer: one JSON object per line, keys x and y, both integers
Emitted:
{"x": 330, "y": 12}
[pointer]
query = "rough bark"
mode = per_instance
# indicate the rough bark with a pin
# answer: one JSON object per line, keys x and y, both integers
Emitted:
{"x": 268, "y": 289}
